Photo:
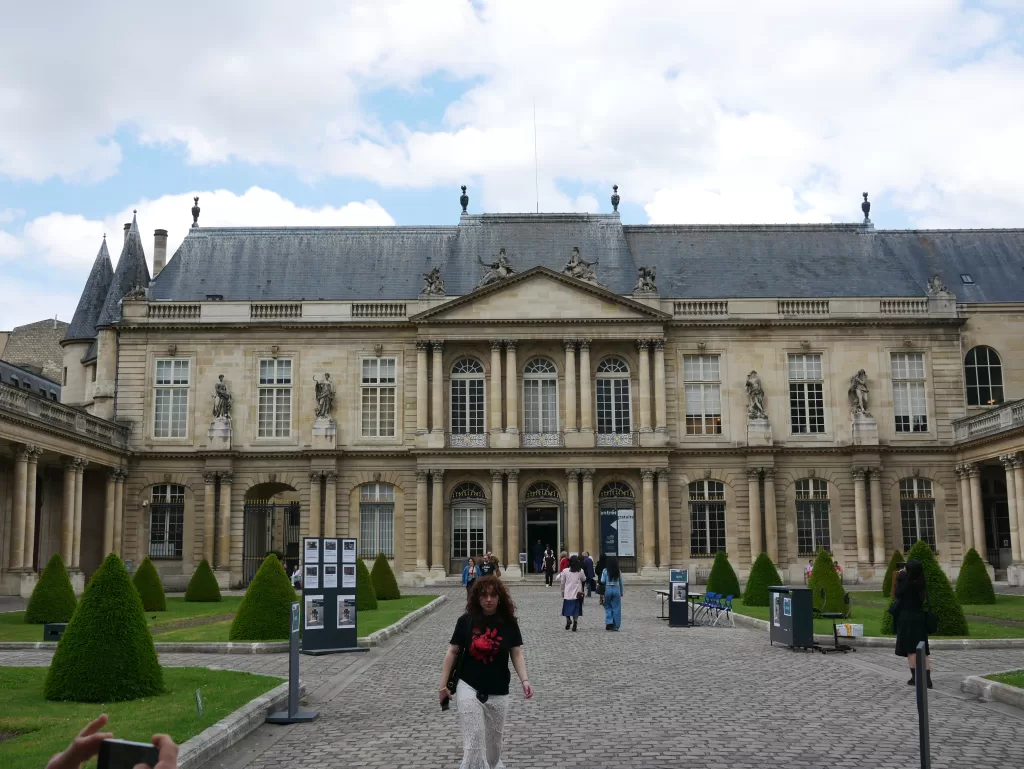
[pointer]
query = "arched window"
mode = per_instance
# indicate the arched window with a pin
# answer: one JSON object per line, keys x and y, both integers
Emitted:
{"x": 917, "y": 510}
{"x": 467, "y": 405}
{"x": 469, "y": 521}
{"x": 542, "y": 490}
{"x": 614, "y": 424}
{"x": 166, "y": 520}
{"x": 376, "y": 520}
{"x": 707, "y": 518}
{"x": 983, "y": 375}
{"x": 618, "y": 523}
{"x": 812, "y": 529}
{"x": 540, "y": 403}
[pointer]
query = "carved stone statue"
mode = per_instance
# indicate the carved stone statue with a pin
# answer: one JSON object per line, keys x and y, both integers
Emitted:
{"x": 221, "y": 400}
{"x": 936, "y": 286}
{"x": 577, "y": 268}
{"x": 755, "y": 397}
{"x": 433, "y": 283}
{"x": 498, "y": 270}
{"x": 646, "y": 280}
{"x": 135, "y": 293}
{"x": 324, "y": 397}
{"x": 859, "y": 395}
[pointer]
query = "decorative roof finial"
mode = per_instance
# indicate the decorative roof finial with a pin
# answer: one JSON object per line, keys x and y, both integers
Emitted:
{"x": 866, "y": 208}
{"x": 195, "y": 212}
{"x": 615, "y": 197}
{"x": 464, "y": 200}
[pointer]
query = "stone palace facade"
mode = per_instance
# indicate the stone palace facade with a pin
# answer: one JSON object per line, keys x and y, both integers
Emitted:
{"x": 661, "y": 392}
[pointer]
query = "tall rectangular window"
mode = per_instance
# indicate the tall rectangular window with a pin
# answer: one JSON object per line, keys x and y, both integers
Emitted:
{"x": 909, "y": 397}
{"x": 806, "y": 398}
{"x": 707, "y": 518}
{"x": 275, "y": 398}
{"x": 166, "y": 521}
{"x": 170, "y": 411}
{"x": 702, "y": 383}
{"x": 376, "y": 520}
{"x": 378, "y": 398}
{"x": 467, "y": 531}
{"x": 812, "y": 529}
{"x": 917, "y": 510}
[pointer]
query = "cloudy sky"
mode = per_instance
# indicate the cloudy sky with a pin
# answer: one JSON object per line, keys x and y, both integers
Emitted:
{"x": 374, "y": 113}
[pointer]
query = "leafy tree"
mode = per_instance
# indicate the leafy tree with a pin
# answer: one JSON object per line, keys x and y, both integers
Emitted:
{"x": 763, "y": 575}
{"x": 941, "y": 597}
{"x": 53, "y": 599}
{"x": 385, "y": 586}
{"x": 151, "y": 589}
{"x": 366, "y": 597}
{"x": 722, "y": 578}
{"x": 897, "y": 557}
{"x": 203, "y": 587}
{"x": 265, "y": 613}
{"x": 824, "y": 576}
{"x": 973, "y": 586}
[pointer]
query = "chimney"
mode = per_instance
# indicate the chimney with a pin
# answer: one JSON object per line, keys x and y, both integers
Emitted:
{"x": 159, "y": 251}
{"x": 127, "y": 226}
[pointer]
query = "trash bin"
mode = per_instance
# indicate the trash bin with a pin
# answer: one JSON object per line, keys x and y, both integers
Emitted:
{"x": 52, "y": 631}
{"x": 791, "y": 616}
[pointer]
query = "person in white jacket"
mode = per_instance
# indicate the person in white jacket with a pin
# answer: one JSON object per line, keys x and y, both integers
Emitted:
{"x": 573, "y": 580}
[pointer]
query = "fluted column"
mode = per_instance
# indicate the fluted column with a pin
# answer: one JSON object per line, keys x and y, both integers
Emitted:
{"x": 643, "y": 347}
{"x": 76, "y": 533}
{"x": 977, "y": 512}
{"x": 647, "y": 478}
{"x": 754, "y": 511}
{"x": 1018, "y": 484}
{"x": 572, "y": 515}
{"x": 224, "y": 545}
{"x": 513, "y": 501}
{"x": 437, "y": 409}
{"x": 967, "y": 524}
{"x": 495, "y": 387}
{"x": 497, "y": 516}
{"x": 511, "y": 387}
{"x": 591, "y": 541}
{"x": 67, "y": 520}
{"x": 314, "y": 504}
{"x": 209, "y": 515}
{"x": 570, "y": 385}
{"x": 422, "y": 402}
{"x": 664, "y": 521}
{"x": 108, "y": 515}
{"x": 421, "y": 520}
{"x": 1011, "y": 503}
{"x": 771, "y": 515}
{"x": 860, "y": 512}
{"x": 660, "y": 403}
{"x": 330, "y": 504}
{"x": 586, "y": 389}
{"x": 877, "y": 518}
{"x": 21, "y": 455}
{"x": 28, "y": 559}
{"x": 437, "y": 522}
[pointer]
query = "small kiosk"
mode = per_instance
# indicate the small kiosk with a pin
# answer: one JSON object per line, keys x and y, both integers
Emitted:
{"x": 678, "y": 598}
{"x": 791, "y": 616}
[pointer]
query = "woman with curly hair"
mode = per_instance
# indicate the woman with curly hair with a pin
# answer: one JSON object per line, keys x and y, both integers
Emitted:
{"x": 488, "y": 636}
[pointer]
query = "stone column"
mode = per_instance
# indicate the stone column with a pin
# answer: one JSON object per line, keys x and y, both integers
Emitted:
{"x": 498, "y": 517}
{"x": 1018, "y": 485}
{"x": 21, "y": 455}
{"x": 495, "y": 387}
{"x": 422, "y": 403}
{"x": 643, "y": 347}
{"x": 108, "y": 514}
{"x": 120, "y": 478}
{"x": 437, "y": 524}
{"x": 224, "y": 545}
{"x": 754, "y": 511}
{"x": 590, "y": 536}
{"x": 437, "y": 410}
{"x": 977, "y": 512}
{"x": 511, "y": 387}
{"x": 860, "y": 512}
{"x": 209, "y": 515}
{"x": 513, "y": 503}
{"x": 647, "y": 478}
{"x": 513, "y": 540}
{"x": 570, "y": 385}
{"x": 572, "y": 513}
{"x": 664, "y": 521}
{"x": 660, "y": 403}
{"x": 67, "y": 521}
{"x": 1011, "y": 503}
{"x": 330, "y": 504}
{"x": 76, "y": 532}
{"x": 771, "y": 515}
{"x": 28, "y": 558}
{"x": 877, "y": 518}
{"x": 314, "y": 503}
{"x": 967, "y": 523}
{"x": 421, "y": 520}
{"x": 586, "y": 389}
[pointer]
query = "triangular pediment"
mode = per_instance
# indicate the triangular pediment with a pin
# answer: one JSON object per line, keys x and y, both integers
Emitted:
{"x": 540, "y": 294}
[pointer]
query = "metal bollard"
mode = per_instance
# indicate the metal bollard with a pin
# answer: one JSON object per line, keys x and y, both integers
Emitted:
{"x": 293, "y": 715}
{"x": 922, "y": 706}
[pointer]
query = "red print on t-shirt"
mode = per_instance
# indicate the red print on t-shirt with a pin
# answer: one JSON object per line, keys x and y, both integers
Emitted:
{"x": 485, "y": 645}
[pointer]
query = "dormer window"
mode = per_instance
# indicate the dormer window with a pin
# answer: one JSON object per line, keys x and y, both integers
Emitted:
{"x": 966, "y": 279}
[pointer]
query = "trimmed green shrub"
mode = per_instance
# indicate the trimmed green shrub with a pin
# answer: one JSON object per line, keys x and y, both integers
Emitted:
{"x": 897, "y": 557}
{"x": 53, "y": 599}
{"x": 151, "y": 589}
{"x": 973, "y": 586}
{"x": 265, "y": 613}
{"x": 940, "y": 595}
{"x": 763, "y": 575}
{"x": 366, "y": 597}
{"x": 385, "y": 586}
{"x": 722, "y": 578}
{"x": 106, "y": 653}
{"x": 203, "y": 588}
{"x": 824, "y": 576}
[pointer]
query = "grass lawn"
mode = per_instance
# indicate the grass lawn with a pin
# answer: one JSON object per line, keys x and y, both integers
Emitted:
{"x": 367, "y": 622}
{"x": 1016, "y": 678}
{"x": 44, "y": 728}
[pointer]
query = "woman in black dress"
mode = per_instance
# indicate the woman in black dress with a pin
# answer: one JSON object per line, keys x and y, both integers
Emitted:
{"x": 912, "y": 618}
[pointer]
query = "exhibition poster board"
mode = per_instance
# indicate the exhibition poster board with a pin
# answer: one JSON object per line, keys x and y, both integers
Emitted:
{"x": 329, "y": 595}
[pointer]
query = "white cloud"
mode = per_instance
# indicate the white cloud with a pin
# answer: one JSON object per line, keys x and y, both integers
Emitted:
{"x": 732, "y": 203}
{"x": 26, "y": 302}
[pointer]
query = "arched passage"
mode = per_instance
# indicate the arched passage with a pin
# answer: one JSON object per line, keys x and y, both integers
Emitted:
{"x": 272, "y": 518}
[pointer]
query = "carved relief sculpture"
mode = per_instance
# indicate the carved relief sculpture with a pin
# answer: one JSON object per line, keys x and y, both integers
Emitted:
{"x": 755, "y": 397}
{"x": 646, "y": 281}
{"x": 859, "y": 395}
{"x": 577, "y": 268}
{"x": 324, "y": 397}
{"x": 433, "y": 283}
{"x": 221, "y": 400}
{"x": 497, "y": 270}
{"x": 936, "y": 286}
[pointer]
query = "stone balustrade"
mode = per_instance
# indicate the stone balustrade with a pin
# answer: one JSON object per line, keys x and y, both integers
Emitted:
{"x": 1006, "y": 417}
{"x": 26, "y": 405}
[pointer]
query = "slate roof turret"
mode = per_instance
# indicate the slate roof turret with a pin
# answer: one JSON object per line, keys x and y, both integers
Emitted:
{"x": 131, "y": 271}
{"x": 90, "y": 305}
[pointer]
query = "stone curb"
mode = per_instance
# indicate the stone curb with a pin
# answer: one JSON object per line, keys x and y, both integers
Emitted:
{"x": 375, "y": 639}
{"x": 222, "y": 735}
{"x": 986, "y": 691}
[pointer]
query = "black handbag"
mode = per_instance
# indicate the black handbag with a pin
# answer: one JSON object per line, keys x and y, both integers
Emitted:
{"x": 600, "y": 588}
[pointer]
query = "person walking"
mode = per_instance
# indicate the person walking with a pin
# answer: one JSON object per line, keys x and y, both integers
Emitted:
{"x": 599, "y": 570}
{"x": 911, "y": 617}
{"x": 588, "y": 571}
{"x": 572, "y": 580}
{"x": 549, "y": 567}
{"x": 486, "y": 566}
{"x": 488, "y": 636}
{"x": 611, "y": 578}
{"x": 563, "y": 562}
{"x": 538, "y": 557}
{"x": 469, "y": 573}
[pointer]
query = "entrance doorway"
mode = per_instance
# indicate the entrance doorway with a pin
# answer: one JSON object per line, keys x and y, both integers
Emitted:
{"x": 271, "y": 520}
{"x": 542, "y": 524}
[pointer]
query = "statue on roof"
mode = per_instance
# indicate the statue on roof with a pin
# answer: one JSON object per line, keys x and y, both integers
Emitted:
{"x": 324, "y": 396}
{"x": 859, "y": 395}
{"x": 433, "y": 283}
{"x": 755, "y": 397}
{"x": 936, "y": 286}
{"x": 221, "y": 400}
{"x": 645, "y": 281}
{"x": 135, "y": 292}
{"x": 580, "y": 269}
{"x": 498, "y": 270}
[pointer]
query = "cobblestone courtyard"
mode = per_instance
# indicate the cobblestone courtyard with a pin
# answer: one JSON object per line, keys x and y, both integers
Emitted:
{"x": 648, "y": 696}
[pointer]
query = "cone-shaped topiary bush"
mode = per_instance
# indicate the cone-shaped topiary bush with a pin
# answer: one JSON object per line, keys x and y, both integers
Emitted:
{"x": 53, "y": 599}
{"x": 897, "y": 557}
{"x": 763, "y": 575}
{"x": 385, "y": 586}
{"x": 722, "y": 578}
{"x": 265, "y": 613}
{"x": 366, "y": 597}
{"x": 973, "y": 585}
{"x": 940, "y": 595}
{"x": 824, "y": 576}
{"x": 151, "y": 589}
{"x": 107, "y": 653}
{"x": 203, "y": 588}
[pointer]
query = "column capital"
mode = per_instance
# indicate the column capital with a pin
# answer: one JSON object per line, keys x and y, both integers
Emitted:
{"x": 70, "y": 463}
{"x": 769, "y": 474}
{"x": 226, "y": 476}
{"x": 647, "y": 474}
{"x": 422, "y": 344}
{"x": 859, "y": 473}
{"x": 497, "y": 475}
{"x": 496, "y": 344}
{"x": 973, "y": 471}
{"x": 874, "y": 471}
{"x": 569, "y": 344}
{"x": 753, "y": 473}
{"x": 1007, "y": 460}
{"x": 437, "y": 475}
{"x": 584, "y": 344}
{"x": 513, "y": 475}
{"x": 658, "y": 344}
{"x": 643, "y": 344}
{"x": 315, "y": 476}
{"x": 331, "y": 476}
{"x": 422, "y": 475}
{"x": 587, "y": 474}
{"x": 510, "y": 344}
{"x": 663, "y": 472}
{"x": 437, "y": 345}
{"x": 1018, "y": 461}
{"x": 21, "y": 451}
{"x": 81, "y": 464}
{"x": 209, "y": 477}
{"x": 34, "y": 453}
{"x": 572, "y": 475}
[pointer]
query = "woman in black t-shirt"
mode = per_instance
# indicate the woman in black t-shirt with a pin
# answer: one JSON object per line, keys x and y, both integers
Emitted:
{"x": 489, "y": 633}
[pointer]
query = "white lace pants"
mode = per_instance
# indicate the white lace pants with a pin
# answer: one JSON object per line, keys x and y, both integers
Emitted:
{"x": 482, "y": 726}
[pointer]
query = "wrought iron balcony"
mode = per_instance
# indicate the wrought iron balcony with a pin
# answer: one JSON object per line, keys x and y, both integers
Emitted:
{"x": 616, "y": 439}
{"x": 31, "y": 407}
{"x": 542, "y": 440}
{"x": 1009, "y": 416}
{"x": 467, "y": 440}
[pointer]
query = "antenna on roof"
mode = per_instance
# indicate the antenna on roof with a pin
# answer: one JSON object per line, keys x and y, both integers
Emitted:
{"x": 536, "y": 171}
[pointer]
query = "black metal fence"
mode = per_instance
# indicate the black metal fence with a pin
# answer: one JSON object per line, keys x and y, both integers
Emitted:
{"x": 270, "y": 528}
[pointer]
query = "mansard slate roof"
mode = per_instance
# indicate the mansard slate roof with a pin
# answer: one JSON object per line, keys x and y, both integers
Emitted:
{"x": 90, "y": 304}
{"x": 131, "y": 271}
{"x": 789, "y": 261}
